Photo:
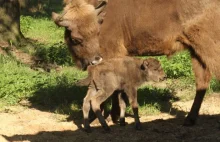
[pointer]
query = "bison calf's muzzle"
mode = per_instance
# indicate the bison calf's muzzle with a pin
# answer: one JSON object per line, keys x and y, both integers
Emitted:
{"x": 96, "y": 61}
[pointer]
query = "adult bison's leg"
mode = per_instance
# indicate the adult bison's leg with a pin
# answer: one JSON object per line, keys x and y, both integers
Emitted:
{"x": 202, "y": 77}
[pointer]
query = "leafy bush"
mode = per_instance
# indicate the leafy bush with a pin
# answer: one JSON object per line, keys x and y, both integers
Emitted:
{"x": 26, "y": 21}
{"x": 178, "y": 66}
{"x": 56, "y": 53}
{"x": 215, "y": 85}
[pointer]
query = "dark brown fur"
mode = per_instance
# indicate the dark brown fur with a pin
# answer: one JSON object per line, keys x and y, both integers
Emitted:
{"x": 106, "y": 78}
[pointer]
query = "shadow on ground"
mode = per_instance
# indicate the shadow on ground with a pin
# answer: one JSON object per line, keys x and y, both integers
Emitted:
{"x": 207, "y": 129}
{"x": 68, "y": 99}
{"x": 61, "y": 98}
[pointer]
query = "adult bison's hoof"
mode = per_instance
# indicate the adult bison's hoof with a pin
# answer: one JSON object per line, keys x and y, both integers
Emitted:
{"x": 122, "y": 122}
{"x": 189, "y": 121}
{"x": 138, "y": 126}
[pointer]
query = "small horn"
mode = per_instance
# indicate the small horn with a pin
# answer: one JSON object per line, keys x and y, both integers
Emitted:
{"x": 100, "y": 7}
{"x": 58, "y": 17}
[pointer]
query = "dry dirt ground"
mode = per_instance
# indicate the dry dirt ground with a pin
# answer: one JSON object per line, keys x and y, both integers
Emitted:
{"x": 22, "y": 124}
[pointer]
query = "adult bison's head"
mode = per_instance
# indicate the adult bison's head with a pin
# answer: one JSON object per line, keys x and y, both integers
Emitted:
{"x": 81, "y": 34}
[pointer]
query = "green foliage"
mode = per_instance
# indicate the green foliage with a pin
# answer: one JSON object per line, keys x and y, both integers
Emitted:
{"x": 19, "y": 82}
{"x": 56, "y": 53}
{"x": 178, "y": 65}
{"x": 215, "y": 85}
{"x": 14, "y": 80}
{"x": 41, "y": 29}
{"x": 25, "y": 22}
{"x": 50, "y": 46}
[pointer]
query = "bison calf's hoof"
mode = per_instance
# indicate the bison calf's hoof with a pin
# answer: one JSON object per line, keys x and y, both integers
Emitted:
{"x": 138, "y": 126}
{"x": 87, "y": 130}
{"x": 106, "y": 128}
{"x": 122, "y": 122}
{"x": 189, "y": 122}
{"x": 114, "y": 118}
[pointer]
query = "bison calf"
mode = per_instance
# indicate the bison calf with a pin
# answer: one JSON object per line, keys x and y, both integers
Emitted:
{"x": 122, "y": 74}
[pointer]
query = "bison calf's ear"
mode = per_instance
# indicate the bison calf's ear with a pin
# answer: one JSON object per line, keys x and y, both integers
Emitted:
{"x": 145, "y": 64}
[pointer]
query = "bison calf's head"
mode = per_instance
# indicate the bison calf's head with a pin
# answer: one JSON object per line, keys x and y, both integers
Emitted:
{"x": 153, "y": 70}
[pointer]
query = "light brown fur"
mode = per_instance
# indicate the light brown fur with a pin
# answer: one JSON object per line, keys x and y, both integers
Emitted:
{"x": 106, "y": 78}
{"x": 159, "y": 27}
{"x": 81, "y": 24}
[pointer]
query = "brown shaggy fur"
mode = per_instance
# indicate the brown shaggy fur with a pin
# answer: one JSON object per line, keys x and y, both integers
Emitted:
{"x": 161, "y": 27}
{"x": 105, "y": 78}
{"x": 81, "y": 22}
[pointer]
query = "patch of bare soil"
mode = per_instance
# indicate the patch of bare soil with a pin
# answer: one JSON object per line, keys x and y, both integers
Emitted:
{"x": 18, "y": 54}
{"x": 22, "y": 124}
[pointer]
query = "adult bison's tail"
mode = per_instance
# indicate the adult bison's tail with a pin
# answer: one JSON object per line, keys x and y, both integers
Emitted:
{"x": 203, "y": 36}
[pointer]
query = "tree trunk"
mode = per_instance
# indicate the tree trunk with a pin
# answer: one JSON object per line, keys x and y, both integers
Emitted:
{"x": 10, "y": 22}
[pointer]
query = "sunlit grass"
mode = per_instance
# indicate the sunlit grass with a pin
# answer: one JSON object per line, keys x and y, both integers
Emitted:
{"x": 41, "y": 29}
{"x": 20, "y": 82}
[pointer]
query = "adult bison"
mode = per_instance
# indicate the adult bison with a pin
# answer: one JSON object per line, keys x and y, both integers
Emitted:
{"x": 82, "y": 25}
{"x": 152, "y": 27}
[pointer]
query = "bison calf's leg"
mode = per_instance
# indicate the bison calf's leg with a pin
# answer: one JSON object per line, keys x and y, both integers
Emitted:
{"x": 86, "y": 108}
{"x": 122, "y": 105}
{"x": 96, "y": 101}
{"x": 203, "y": 77}
{"x": 132, "y": 96}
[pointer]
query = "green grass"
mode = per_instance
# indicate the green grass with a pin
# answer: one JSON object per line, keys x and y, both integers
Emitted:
{"x": 20, "y": 82}
{"x": 49, "y": 40}
{"x": 153, "y": 100}
{"x": 41, "y": 29}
